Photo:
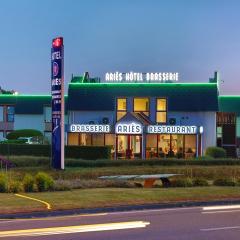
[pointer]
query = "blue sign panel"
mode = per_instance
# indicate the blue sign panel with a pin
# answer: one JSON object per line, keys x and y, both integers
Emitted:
{"x": 57, "y": 83}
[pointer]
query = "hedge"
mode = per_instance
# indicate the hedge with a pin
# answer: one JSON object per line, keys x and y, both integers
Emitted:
{"x": 24, "y": 133}
{"x": 34, "y": 161}
{"x": 83, "y": 152}
{"x": 153, "y": 162}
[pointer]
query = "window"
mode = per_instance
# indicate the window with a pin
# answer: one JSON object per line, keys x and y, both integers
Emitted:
{"x": 10, "y": 114}
{"x": 121, "y": 108}
{"x": 73, "y": 139}
{"x": 47, "y": 114}
{"x": 1, "y": 114}
{"x": 1, "y": 136}
{"x": 98, "y": 139}
{"x": 47, "y": 137}
{"x": 219, "y": 132}
{"x": 141, "y": 105}
{"x": 161, "y": 113}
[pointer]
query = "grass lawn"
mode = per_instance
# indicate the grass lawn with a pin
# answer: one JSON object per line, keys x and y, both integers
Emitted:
{"x": 103, "y": 197}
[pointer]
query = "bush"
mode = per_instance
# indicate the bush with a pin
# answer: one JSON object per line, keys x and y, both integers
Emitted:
{"x": 200, "y": 182}
{"x": 216, "y": 152}
{"x": 181, "y": 182}
{"x": 15, "y": 187}
{"x": 30, "y": 161}
{"x": 44, "y": 182}
{"x": 24, "y": 133}
{"x": 83, "y": 152}
{"x": 3, "y": 183}
{"x": 28, "y": 183}
{"x": 224, "y": 182}
{"x": 25, "y": 149}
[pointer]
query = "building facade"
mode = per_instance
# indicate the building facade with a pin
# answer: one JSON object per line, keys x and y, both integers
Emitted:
{"x": 138, "y": 120}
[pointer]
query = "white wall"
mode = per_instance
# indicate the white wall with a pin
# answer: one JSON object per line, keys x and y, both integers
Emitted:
{"x": 29, "y": 121}
{"x": 205, "y": 119}
{"x": 83, "y": 117}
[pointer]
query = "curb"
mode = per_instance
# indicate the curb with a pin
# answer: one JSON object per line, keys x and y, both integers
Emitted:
{"x": 118, "y": 209}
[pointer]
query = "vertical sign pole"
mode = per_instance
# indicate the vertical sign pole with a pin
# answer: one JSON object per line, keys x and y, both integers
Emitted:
{"x": 57, "y": 69}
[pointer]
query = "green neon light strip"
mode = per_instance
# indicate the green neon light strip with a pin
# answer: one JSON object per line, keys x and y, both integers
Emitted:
{"x": 229, "y": 96}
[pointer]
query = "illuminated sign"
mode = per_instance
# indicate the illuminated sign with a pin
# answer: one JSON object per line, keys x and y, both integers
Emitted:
{"x": 141, "y": 77}
{"x": 57, "y": 83}
{"x": 163, "y": 129}
{"x": 128, "y": 128}
{"x": 89, "y": 128}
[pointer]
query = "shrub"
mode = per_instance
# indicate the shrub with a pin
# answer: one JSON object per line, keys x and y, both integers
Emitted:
{"x": 181, "y": 182}
{"x": 224, "y": 182}
{"x": 216, "y": 152}
{"x": 200, "y": 182}
{"x": 15, "y": 187}
{"x": 88, "y": 152}
{"x": 44, "y": 182}
{"x": 28, "y": 183}
{"x": 24, "y": 133}
{"x": 3, "y": 183}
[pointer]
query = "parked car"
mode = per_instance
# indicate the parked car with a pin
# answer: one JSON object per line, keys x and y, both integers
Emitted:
{"x": 29, "y": 140}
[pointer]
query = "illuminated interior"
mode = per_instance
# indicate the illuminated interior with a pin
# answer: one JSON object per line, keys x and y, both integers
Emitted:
{"x": 129, "y": 146}
{"x": 161, "y": 114}
{"x": 170, "y": 145}
{"x": 121, "y": 108}
{"x": 141, "y": 105}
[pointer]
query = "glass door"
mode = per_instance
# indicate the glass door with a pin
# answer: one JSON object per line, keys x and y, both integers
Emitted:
{"x": 136, "y": 146}
{"x": 129, "y": 146}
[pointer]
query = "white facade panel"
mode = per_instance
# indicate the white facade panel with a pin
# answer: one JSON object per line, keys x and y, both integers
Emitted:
{"x": 205, "y": 119}
{"x": 84, "y": 117}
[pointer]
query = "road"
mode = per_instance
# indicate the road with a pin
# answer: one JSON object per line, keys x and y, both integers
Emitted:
{"x": 196, "y": 223}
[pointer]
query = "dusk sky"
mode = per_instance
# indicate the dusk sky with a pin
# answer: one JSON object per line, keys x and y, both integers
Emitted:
{"x": 192, "y": 37}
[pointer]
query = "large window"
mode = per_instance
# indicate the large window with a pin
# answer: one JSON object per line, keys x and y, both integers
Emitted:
{"x": 10, "y": 114}
{"x": 161, "y": 113}
{"x": 170, "y": 145}
{"x": 121, "y": 108}
{"x": 141, "y": 105}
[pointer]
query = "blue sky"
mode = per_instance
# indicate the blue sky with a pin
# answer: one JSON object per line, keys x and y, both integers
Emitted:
{"x": 192, "y": 37}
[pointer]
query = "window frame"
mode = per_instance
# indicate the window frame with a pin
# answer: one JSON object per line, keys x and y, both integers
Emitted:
{"x": 122, "y": 111}
{"x": 162, "y": 111}
{"x": 142, "y": 111}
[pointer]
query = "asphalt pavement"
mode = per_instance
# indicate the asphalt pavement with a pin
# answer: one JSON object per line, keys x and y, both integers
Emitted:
{"x": 193, "y": 223}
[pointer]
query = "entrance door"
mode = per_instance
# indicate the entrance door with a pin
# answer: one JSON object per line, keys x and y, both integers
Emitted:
{"x": 129, "y": 146}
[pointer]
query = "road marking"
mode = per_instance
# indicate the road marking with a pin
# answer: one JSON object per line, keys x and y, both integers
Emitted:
{"x": 74, "y": 229}
{"x": 221, "y": 207}
{"x": 226, "y": 211}
{"x": 220, "y": 228}
{"x": 155, "y": 210}
{"x": 48, "y": 206}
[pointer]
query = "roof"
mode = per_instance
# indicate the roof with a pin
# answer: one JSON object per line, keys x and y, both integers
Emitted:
{"x": 135, "y": 117}
{"x": 27, "y": 104}
{"x": 181, "y": 96}
{"x": 229, "y": 104}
